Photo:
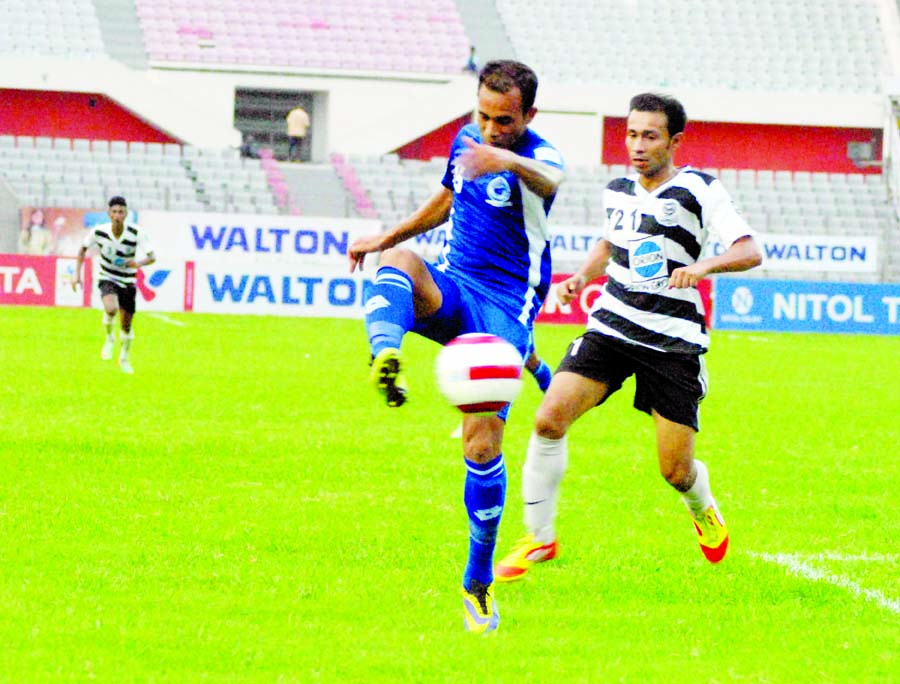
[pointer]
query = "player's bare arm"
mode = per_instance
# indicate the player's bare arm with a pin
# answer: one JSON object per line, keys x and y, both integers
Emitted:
{"x": 593, "y": 267}
{"x": 480, "y": 159}
{"x": 743, "y": 255}
{"x": 434, "y": 212}
{"x": 78, "y": 265}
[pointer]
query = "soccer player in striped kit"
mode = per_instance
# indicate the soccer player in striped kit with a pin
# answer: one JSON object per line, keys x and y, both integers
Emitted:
{"x": 490, "y": 277}
{"x": 648, "y": 322}
{"x": 118, "y": 243}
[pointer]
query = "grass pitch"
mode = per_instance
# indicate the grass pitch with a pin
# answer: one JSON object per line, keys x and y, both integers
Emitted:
{"x": 243, "y": 509}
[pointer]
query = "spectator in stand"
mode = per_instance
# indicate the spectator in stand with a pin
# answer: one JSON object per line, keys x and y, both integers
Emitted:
{"x": 297, "y": 127}
{"x": 471, "y": 66}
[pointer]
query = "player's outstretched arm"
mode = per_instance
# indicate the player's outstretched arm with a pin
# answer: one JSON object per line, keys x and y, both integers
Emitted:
{"x": 743, "y": 255}
{"x": 593, "y": 267}
{"x": 480, "y": 159}
{"x": 434, "y": 212}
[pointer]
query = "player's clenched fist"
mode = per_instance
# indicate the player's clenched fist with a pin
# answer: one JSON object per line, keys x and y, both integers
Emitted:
{"x": 569, "y": 288}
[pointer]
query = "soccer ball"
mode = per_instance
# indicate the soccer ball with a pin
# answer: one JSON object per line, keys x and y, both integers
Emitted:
{"x": 479, "y": 373}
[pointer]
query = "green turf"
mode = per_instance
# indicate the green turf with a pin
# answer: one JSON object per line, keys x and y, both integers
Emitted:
{"x": 242, "y": 509}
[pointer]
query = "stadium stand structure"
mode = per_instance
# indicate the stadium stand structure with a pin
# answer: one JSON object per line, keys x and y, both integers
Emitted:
{"x": 316, "y": 34}
{"x": 747, "y": 45}
{"x": 59, "y": 172}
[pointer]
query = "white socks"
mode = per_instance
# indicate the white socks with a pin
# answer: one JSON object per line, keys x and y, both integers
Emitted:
{"x": 126, "y": 338}
{"x": 699, "y": 497}
{"x": 545, "y": 465}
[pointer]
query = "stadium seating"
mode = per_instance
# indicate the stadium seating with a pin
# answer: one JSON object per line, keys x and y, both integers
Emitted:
{"x": 62, "y": 28}
{"x": 396, "y": 188}
{"x": 85, "y": 173}
{"x": 320, "y": 34}
{"x": 744, "y": 44}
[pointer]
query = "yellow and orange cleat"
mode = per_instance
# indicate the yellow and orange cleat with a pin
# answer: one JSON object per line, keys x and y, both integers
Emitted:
{"x": 525, "y": 553}
{"x": 713, "y": 534}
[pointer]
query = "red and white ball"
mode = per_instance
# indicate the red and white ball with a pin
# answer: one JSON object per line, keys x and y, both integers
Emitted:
{"x": 479, "y": 373}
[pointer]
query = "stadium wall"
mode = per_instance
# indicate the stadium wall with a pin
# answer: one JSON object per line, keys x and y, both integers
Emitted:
{"x": 756, "y": 146}
{"x": 72, "y": 115}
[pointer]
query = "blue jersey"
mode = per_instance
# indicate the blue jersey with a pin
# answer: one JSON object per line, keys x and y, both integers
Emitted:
{"x": 497, "y": 241}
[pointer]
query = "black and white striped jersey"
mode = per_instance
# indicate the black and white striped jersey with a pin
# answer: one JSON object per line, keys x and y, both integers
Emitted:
{"x": 114, "y": 254}
{"x": 650, "y": 235}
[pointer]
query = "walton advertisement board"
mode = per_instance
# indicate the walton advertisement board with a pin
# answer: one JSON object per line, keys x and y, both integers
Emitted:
{"x": 814, "y": 253}
{"x": 278, "y": 289}
{"x": 254, "y": 238}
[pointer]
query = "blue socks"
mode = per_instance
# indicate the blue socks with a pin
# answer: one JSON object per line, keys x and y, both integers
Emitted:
{"x": 485, "y": 494}
{"x": 389, "y": 309}
{"x": 543, "y": 375}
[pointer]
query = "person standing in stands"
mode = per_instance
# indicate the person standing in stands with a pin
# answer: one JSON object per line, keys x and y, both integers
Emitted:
{"x": 297, "y": 127}
{"x": 118, "y": 243}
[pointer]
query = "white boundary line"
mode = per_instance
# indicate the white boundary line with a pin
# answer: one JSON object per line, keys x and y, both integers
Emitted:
{"x": 165, "y": 319}
{"x": 799, "y": 567}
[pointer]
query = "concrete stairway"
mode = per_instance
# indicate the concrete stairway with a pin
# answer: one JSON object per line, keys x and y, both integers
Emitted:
{"x": 485, "y": 30}
{"x": 317, "y": 190}
{"x": 121, "y": 32}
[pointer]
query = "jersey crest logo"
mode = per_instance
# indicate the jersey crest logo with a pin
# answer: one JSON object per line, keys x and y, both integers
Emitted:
{"x": 668, "y": 213}
{"x": 498, "y": 192}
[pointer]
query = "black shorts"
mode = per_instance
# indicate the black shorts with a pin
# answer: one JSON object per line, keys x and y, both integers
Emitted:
{"x": 125, "y": 293}
{"x": 672, "y": 384}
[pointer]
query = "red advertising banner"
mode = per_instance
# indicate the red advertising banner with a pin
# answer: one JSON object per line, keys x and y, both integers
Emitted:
{"x": 577, "y": 312}
{"x": 28, "y": 280}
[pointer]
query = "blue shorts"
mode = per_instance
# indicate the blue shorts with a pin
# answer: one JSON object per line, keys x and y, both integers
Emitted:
{"x": 464, "y": 310}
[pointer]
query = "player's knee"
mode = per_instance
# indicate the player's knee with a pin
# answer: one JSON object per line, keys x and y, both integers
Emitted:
{"x": 677, "y": 473}
{"x": 399, "y": 258}
{"x": 480, "y": 450}
{"x": 549, "y": 422}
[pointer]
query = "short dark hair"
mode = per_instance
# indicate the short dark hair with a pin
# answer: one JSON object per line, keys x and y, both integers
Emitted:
{"x": 502, "y": 75}
{"x": 676, "y": 119}
{"x": 117, "y": 201}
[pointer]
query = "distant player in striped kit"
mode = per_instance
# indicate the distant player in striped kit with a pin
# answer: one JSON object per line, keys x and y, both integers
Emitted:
{"x": 490, "y": 277}
{"x": 118, "y": 243}
{"x": 648, "y": 322}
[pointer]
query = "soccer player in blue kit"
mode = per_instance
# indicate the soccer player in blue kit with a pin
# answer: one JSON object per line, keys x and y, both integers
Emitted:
{"x": 491, "y": 276}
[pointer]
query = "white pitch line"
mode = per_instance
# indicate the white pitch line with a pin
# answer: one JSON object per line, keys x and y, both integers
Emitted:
{"x": 166, "y": 319}
{"x": 863, "y": 557}
{"x": 799, "y": 567}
